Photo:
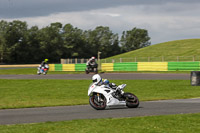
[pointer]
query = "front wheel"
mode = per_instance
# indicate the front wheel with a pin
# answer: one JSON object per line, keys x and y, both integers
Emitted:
{"x": 131, "y": 100}
{"x": 38, "y": 72}
{"x": 98, "y": 101}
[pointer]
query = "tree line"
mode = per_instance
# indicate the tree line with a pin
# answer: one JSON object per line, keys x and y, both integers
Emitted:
{"x": 21, "y": 44}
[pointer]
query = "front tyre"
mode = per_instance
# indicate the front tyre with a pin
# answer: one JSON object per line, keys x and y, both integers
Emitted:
{"x": 98, "y": 101}
{"x": 38, "y": 72}
{"x": 131, "y": 100}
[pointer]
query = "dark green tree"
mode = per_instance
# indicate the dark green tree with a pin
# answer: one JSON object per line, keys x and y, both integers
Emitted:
{"x": 74, "y": 42}
{"x": 50, "y": 42}
{"x": 4, "y": 48}
{"x": 134, "y": 39}
{"x": 34, "y": 45}
{"x": 20, "y": 44}
{"x": 101, "y": 39}
{"x": 14, "y": 33}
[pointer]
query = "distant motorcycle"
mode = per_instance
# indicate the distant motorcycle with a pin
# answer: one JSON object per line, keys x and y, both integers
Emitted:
{"x": 42, "y": 70}
{"x": 101, "y": 97}
{"x": 92, "y": 68}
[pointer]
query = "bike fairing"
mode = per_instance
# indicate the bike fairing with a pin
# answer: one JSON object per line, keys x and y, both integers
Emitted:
{"x": 102, "y": 95}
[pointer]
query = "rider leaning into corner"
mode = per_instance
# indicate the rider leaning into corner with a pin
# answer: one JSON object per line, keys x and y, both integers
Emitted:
{"x": 44, "y": 63}
{"x": 97, "y": 80}
{"x": 90, "y": 62}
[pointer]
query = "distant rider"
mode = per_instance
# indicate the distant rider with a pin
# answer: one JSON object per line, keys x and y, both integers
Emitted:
{"x": 44, "y": 64}
{"x": 91, "y": 62}
{"x": 99, "y": 81}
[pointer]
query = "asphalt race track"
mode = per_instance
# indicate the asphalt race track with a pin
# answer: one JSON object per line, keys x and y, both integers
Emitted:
{"x": 62, "y": 113}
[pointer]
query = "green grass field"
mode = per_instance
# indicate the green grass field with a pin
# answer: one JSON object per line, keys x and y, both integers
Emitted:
{"x": 49, "y": 92}
{"x": 33, "y": 71}
{"x": 189, "y": 47}
{"x": 188, "y": 123}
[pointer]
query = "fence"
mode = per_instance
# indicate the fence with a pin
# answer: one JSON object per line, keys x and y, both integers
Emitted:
{"x": 67, "y": 67}
{"x": 151, "y": 66}
{"x": 137, "y": 59}
{"x": 132, "y": 66}
{"x": 153, "y": 59}
{"x": 73, "y": 61}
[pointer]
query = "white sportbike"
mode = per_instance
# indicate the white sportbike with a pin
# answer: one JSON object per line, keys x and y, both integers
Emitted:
{"x": 103, "y": 96}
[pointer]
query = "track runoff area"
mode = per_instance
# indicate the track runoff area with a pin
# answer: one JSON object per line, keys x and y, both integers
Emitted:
{"x": 62, "y": 113}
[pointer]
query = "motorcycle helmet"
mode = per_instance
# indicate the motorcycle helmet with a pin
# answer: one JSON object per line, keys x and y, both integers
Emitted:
{"x": 46, "y": 60}
{"x": 96, "y": 78}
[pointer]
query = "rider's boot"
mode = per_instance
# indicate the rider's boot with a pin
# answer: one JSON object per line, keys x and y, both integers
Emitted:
{"x": 121, "y": 92}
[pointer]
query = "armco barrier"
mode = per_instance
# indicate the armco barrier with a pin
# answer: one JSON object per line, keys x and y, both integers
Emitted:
{"x": 107, "y": 67}
{"x": 129, "y": 66}
{"x": 80, "y": 67}
{"x": 132, "y": 66}
{"x": 67, "y": 67}
{"x": 152, "y": 66}
{"x": 51, "y": 67}
{"x": 183, "y": 66}
{"x": 58, "y": 67}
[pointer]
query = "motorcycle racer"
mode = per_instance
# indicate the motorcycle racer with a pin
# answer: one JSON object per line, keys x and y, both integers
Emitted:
{"x": 91, "y": 61}
{"x": 99, "y": 81}
{"x": 91, "y": 66}
{"x": 43, "y": 65}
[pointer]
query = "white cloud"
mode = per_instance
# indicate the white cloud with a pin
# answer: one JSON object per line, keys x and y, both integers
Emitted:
{"x": 105, "y": 14}
{"x": 165, "y": 22}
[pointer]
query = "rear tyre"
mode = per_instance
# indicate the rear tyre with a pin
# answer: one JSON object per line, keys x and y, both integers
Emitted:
{"x": 86, "y": 71}
{"x": 98, "y": 103}
{"x": 95, "y": 70}
{"x": 131, "y": 100}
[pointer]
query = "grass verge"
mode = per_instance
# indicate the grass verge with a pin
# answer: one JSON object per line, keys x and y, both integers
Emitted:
{"x": 187, "y": 48}
{"x": 187, "y": 123}
{"x": 50, "y": 92}
{"x": 33, "y": 71}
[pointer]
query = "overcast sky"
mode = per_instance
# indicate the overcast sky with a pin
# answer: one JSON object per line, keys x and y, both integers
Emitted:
{"x": 165, "y": 20}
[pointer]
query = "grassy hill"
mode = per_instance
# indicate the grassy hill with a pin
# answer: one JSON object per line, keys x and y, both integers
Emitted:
{"x": 189, "y": 48}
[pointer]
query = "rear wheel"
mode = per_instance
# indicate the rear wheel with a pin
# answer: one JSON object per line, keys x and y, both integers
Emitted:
{"x": 95, "y": 70}
{"x": 98, "y": 101}
{"x": 131, "y": 100}
{"x": 86, "y": 70}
